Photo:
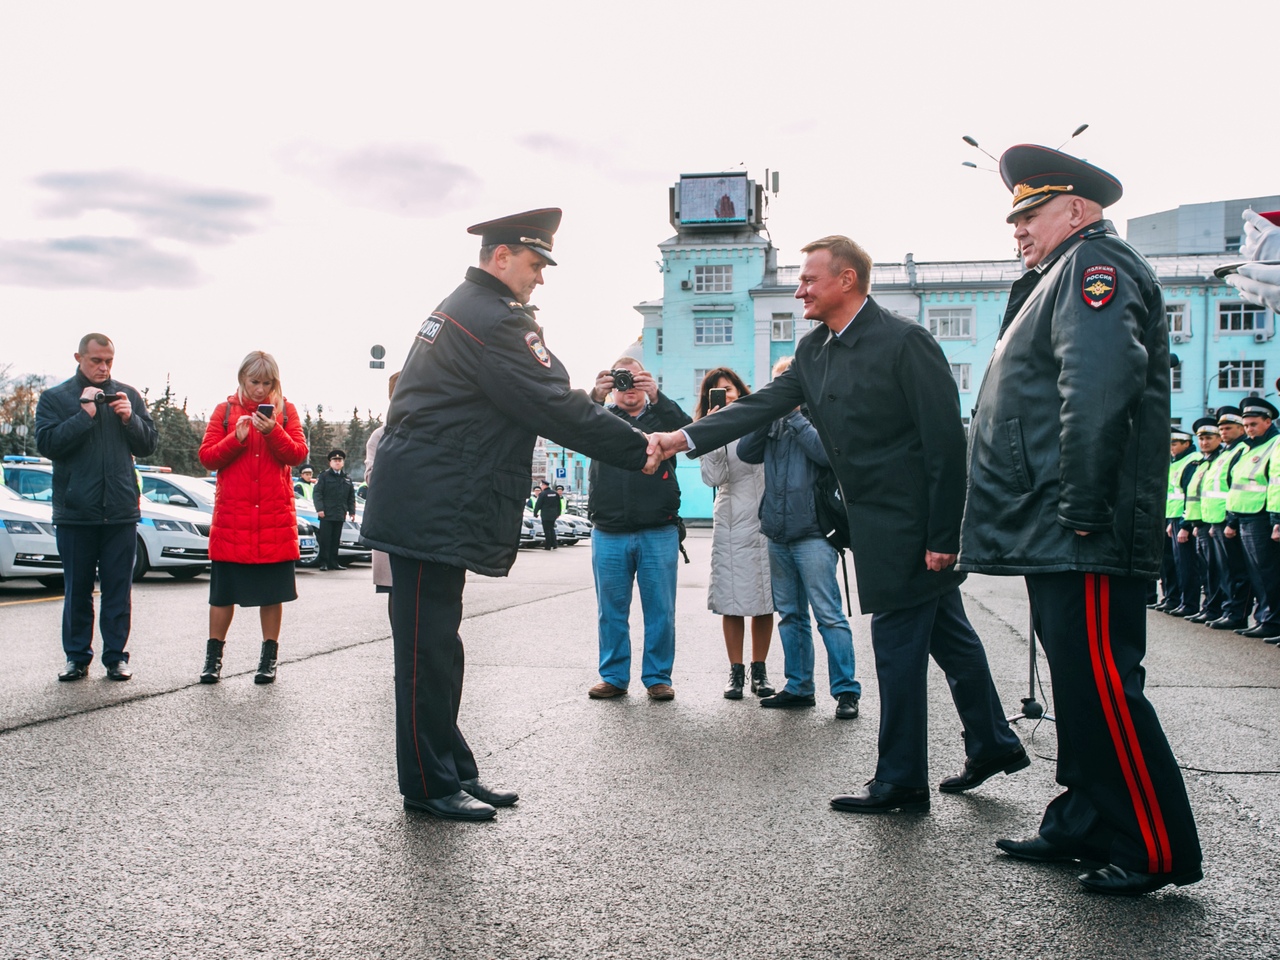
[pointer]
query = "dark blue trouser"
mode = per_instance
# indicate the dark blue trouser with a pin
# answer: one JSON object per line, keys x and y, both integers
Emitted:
{"x": 1239, "y": 599}
{"x": 1263, "y": 557}
{"x": 903, "y": 641}
{"x": 1213, "y": 566}
{"x": 1189, "y": 580}
{"x": 107, "y": 551}
{"x": 1170, "y": 589}
{"x": 330, "y": 541}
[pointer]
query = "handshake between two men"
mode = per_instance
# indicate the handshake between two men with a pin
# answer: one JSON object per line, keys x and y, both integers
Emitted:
{"x": 663, "y": 446}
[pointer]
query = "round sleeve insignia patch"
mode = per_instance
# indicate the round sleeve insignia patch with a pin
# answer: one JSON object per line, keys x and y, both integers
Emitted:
{"x": 534, "y": 343}
{"x": 1098, "y": 285}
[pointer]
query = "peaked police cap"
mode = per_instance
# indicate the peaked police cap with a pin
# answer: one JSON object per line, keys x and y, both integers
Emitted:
{"x": 535, "y": 229}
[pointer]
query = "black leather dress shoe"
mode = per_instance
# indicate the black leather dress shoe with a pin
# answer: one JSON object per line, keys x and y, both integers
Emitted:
{"x": 847, "y": 706}
{"x": 787, "y": 701}
{"x": 1226, "y": 623}
{"x": 74, "y": 671}
{"x": 877, "y": 797}
{"x": 485, "y": 794}
{"x": 975, "y": 773}
{"x": 119, "y": 671}
{"x": 1183, "y": 612}
{"x": 456, "y": 806}
{"x": 1260, "y": 632}
{"x": 1036, "y": 849}
{"x": 1200, "y": 617}
{"x": 1130, "y": 883}
{"x": 1162, "y": 606}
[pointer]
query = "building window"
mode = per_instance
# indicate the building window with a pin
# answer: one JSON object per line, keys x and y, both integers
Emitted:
{"x": 784, "y": 327}
{"x": 951, "y": 323}
{"x": 699, "y": 375}
{"x": 708, "y": 330}
{"x": 960, "y": 371}
{"x": 1241, "y": 374}
{"x": 1175, "y": 378}
{"x": 657, "y": 340}
{"x": 1176, "y": 314}
{"x": 1231, "y": 244}
{"x": 713, "y": 279}
{"x": 659, "y": 383}
{"x": 1237, "y": 317}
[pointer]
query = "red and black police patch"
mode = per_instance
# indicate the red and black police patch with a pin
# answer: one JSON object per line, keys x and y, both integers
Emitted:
{"x": 1098, "y": 285}
{"x": 536, "y": 347}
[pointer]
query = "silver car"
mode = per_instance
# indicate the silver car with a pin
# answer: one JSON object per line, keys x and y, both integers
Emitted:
{"x": 27, "y": 544}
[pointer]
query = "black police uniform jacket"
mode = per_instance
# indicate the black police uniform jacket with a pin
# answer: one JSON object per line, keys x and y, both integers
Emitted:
{"x": 455, "y": 462}
{"x": 883, "y": 400}
{"x": 93, "y": 477}
{"x": 1071, "y": 428}
{"x": 334, "y": 494}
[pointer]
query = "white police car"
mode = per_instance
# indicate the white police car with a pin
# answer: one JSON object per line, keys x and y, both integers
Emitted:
{"x": 27, "y": 544}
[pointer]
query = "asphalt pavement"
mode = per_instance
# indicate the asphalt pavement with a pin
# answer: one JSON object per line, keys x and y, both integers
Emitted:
{"x": 162, "y": 818}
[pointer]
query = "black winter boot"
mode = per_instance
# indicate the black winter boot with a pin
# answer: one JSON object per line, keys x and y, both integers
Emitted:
{"x": 212, "y": 661}
{"x": 267, "y": 663}
{"x": 760, "y": 680}
{"x": 737, "y": 677}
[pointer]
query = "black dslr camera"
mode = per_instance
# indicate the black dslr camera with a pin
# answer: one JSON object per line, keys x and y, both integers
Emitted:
{"x": 623, "y": 379}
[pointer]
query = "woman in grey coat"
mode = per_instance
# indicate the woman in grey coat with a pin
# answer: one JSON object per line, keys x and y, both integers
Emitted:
{"x": 739, "y": 586}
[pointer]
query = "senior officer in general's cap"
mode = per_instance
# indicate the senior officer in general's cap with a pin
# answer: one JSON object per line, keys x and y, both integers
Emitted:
{"x": 477, "y": 389}
{"x": 1067, "y": 486}
{"x": 1249, "y": 475}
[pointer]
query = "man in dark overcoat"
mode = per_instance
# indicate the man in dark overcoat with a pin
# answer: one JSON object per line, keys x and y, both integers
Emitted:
{"x": 478, "y": 387}
{"x": 865, "y": 373}
{"x": 1068, "y": 478}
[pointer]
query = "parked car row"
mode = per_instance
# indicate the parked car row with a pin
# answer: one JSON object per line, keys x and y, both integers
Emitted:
{"x": 569, "y": 530}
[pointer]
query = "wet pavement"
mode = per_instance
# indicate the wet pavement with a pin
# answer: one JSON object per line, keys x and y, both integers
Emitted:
{"x": 162, "y": 818}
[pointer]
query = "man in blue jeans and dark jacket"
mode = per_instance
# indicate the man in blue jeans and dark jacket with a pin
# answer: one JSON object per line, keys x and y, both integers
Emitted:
{"x": 92, "y": 427}
{"x": 636, "y": 539}
{"x": 802, "y": 564}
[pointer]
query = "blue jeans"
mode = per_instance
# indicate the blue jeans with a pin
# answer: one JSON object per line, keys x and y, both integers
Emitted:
{"x": 648, "y": 559}
{"x": 804, "y": 576}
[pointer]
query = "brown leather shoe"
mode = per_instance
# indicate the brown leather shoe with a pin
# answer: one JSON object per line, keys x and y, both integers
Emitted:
{"x": 606, "y": 691}
{"x": 661, "y": 691}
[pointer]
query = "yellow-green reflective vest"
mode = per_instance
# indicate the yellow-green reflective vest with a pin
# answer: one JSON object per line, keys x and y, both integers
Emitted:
{"x": 1213, "y": 505}
{"x": 1176, "y": 501}
{"x": 1273, "y": 487}
{"x": 1249, "y": 477}
{"x": 1195, "y": 488}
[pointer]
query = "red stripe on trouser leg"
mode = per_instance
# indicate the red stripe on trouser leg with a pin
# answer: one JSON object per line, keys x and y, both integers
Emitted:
{"x": 1109, "y": 691}
{"x": 1163, "y": 860}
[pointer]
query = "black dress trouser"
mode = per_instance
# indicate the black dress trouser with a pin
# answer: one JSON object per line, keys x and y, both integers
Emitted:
{"x": 1125, "y": 802}
{"x": 330, "y": 541}
{"x": 431, "y": 753}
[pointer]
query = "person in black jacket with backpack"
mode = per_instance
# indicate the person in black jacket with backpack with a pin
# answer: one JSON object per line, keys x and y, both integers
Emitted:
{"x": 92, "y": 427}
{"x": 636, "y": 539}
{"x": 802, "y": 564}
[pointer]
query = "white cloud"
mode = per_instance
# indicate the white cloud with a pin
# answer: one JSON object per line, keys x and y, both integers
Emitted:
{"x": 406, "y": 179}
{"x": 108, "y": 263}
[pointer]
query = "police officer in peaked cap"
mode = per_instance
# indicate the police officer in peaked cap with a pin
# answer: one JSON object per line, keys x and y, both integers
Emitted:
{"x": 1195, "y": 527}
{"x": 1227, "y": 550}
{"x": 1068, "y": 473}
{"x": 478, "y": 387}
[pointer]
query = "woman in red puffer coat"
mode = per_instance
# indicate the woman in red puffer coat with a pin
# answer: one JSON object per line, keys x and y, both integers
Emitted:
{"x": 252, "y": 441}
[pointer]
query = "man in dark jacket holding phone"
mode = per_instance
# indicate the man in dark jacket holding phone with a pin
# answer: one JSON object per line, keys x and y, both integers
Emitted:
{"x": 92, "y": 427}
{"x": 334, "y": 497}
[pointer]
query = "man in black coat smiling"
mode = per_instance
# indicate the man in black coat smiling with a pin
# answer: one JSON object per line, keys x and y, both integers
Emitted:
{"x": 868, "y": 375}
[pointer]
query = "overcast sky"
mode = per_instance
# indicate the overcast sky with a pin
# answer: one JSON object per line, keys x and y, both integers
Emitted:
{"x": 198, "y": 181}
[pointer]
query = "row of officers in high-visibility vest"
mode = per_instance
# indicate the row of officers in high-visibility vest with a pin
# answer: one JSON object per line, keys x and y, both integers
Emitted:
{"x": 1222, "y": 549}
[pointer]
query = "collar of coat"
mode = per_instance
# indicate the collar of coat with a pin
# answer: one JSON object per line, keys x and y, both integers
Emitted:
{"x": 867, "y": 314}
{"x": 489, "y": 281}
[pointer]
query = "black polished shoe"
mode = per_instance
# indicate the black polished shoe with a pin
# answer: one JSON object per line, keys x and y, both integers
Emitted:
{"x": 877, "y": 797}
{"x": 1130, "y": 883}
{"x": 119, "y": 671}
{"x": 1162, "y": 606}
{"x": 1275, "y": 640}
{"x": 74, "y": 671}
{"x": 1036, "y": 849}
{"x": 456, "y": 806}
{"x": 1226, "y": 623}
{"x": 489, "y": 795}
{"x": 1183, "y": 612}
{"x": 979, "y": 772}
{"x": 1201, "y": 617}
{"x": 1260, "y": 632}
{"x": 737, "y": 680}
{"x": 787, "y": 701}
{"x": 847, "y": 706}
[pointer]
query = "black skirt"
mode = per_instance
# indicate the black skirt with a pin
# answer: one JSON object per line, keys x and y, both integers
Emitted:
{"x": 251, "y": 584}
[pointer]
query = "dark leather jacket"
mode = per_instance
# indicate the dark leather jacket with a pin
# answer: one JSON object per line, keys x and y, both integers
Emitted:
{"x": 1071, "y": 428}
{"x": 93, "y": 477}
{"x": 455, "y": 462}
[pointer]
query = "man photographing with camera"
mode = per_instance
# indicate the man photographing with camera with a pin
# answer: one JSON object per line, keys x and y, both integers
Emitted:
{"x": 636, "y": 539}
{"x": 92, "y": 427}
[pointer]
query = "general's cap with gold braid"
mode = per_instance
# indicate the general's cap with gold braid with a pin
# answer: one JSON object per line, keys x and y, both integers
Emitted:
{"x": 535, "y": 229}
{"x": 1037, "y": 174}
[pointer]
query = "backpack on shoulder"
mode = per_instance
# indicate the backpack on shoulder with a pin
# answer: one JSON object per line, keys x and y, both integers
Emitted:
{"x": 833, "y": 520}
